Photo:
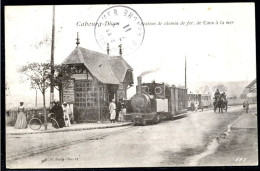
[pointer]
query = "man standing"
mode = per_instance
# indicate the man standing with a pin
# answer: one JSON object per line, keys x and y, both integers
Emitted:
{"x": 122, "y": 111}
{"x": 217, "y": 94}
{"x": 112, "y": 110}
{"x": 58, "y": 112}
{"x": 246, "y": 106}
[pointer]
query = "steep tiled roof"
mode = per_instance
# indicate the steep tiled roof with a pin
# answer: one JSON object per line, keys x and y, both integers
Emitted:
{"x": 73, "y": 58}
{"x": 109, "y": 70}
{"x": 117, "y": 64}
{"x": 251, "y": 84}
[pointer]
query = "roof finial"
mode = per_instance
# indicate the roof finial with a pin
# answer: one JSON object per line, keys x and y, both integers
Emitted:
{"x": 120, "y": 49}
{"x": 77, "y": 39}
{"x": 107, "y": 48}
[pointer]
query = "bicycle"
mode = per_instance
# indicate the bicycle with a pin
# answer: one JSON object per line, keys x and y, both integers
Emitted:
{"x": 35, "y": 123}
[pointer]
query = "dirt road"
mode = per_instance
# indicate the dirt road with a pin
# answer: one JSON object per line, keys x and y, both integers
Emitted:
{"x": 170, "y": 143}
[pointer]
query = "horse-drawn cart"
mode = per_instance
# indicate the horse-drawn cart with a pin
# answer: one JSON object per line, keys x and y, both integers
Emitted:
{"x": 220, "y": 103}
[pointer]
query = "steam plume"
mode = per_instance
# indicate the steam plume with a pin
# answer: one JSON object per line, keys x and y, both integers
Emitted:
{"x": 148, "y": 72}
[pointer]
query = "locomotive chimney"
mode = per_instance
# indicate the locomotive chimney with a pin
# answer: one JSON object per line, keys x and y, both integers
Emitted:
{"x": 139, "y": 86}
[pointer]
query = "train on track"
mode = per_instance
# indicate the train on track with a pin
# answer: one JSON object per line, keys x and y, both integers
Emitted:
{"x": 154, "y": 102}
{"x": 199, "y": 101}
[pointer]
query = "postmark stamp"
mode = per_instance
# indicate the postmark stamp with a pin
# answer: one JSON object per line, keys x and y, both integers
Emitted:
{"x": 119, "y": 25}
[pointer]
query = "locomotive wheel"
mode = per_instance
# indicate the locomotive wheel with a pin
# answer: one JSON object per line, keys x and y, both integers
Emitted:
{"x": 156, "y": 119}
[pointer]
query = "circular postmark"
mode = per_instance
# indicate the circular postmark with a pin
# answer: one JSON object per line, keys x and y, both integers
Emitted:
{"x": 119, "y": 25}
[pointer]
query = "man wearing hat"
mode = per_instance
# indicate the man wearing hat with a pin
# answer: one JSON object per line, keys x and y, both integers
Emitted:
{"x": 58, "y": 112}
{"x": 112, "y": 110}
{"x": 122, "y": 108}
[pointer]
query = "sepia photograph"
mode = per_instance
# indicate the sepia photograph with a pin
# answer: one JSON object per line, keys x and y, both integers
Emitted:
{"x": 130, "y": 85}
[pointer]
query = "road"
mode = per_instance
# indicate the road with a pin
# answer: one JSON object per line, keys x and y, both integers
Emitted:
{"x": 181, "y": 142}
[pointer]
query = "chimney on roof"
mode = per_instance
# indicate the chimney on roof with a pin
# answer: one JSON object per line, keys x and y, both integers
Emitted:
{"x": 77, "y": 42}
{"x": 107, "y": 48}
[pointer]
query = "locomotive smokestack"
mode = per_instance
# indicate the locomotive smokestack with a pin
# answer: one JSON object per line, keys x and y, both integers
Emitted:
{"x": 139, "y": 86}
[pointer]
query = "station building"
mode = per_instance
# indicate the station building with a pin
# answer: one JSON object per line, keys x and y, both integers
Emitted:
{"x": 97, "y": 79}
{"x": 251, "y": 91}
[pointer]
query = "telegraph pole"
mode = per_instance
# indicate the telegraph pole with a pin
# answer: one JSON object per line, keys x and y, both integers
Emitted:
{"x": 185, "y": 73}
{"x": 52, "y": 63}
{"x": 52, "y": 55}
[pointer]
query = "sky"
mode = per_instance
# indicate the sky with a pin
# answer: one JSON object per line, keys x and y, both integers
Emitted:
{"x": 214, "y": 52}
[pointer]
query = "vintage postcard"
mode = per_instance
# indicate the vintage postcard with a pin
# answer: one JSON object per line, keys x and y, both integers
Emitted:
{"x": 130, "y": 85}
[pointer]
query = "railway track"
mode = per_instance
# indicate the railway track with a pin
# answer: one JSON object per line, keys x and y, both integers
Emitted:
{"x": 24, "y": 154}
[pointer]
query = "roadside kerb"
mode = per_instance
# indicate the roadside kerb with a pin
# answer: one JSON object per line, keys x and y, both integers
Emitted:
{"x": 230, "y": 127}
{"x": 67, "y": 130}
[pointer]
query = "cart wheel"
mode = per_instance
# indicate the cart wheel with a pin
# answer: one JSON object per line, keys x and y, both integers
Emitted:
{"x": 35, "y": 123}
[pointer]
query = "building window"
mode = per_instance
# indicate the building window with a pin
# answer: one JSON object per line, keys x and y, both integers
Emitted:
{"x": 81, "y": 95}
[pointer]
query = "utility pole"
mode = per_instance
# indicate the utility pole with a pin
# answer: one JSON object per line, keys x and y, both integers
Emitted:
{"x": 185, "y": 73}
{"x": 52, "y": 55}
{"x": 52, "y": 63}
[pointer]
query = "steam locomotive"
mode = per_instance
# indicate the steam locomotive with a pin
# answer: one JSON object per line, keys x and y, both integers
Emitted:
{"x": 156, "y": 101}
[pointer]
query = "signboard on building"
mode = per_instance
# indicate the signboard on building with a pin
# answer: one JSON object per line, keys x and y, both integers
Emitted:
{"x": 69, "y": 93}
{"x": 81, "y": 76}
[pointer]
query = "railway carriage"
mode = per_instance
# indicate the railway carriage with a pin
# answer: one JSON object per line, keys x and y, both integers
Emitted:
{"x": 156, "y": 101}
{"x": 198, "y": 101}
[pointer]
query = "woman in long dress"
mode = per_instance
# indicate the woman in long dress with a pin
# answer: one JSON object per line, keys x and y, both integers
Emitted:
{"x": 66, "y": 115}
{"x": 21, "y": 121}
{"x": 112, "y": 110}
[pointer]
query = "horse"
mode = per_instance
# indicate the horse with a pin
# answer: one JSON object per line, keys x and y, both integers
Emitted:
{"x": 218, "y": 103}
{"x": 225, "y": 102}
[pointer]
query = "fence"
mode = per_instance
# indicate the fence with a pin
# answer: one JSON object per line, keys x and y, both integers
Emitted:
{"x": 232, "y": 102}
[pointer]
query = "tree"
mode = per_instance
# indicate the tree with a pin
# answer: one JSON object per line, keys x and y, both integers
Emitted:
{"x": 62, "y": 75}
{"x": 243, "y": 94}
{"x": 221, "y": 87}
{"x": 204, "y": 89}
{"x": 38, "y": 74}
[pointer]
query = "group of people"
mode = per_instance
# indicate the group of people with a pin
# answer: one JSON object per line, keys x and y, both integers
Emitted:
{"x": 62, "y": 113}
{"x": 220, "y": 95}
{"x": 223, "y": 96}
{"x": 113, "y": 110}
